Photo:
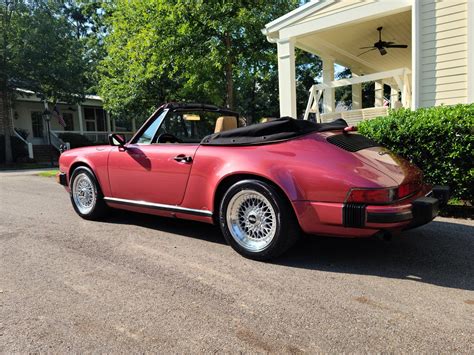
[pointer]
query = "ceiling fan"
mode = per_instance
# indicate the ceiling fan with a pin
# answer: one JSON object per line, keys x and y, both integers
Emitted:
{"x": 382, "y": 45}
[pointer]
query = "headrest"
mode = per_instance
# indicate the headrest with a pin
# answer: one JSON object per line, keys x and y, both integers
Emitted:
{"x": 225, "y": 123}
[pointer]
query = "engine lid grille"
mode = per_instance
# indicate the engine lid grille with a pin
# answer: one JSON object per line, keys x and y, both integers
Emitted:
{"x": 352, "y": 142}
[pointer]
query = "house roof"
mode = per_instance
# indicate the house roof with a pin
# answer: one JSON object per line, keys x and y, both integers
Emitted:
{"x": 87, "y": 97}
{"x": 295, "y": 15}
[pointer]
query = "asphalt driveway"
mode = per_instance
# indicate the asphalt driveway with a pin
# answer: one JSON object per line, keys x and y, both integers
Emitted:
{"x": 143, "y": 283}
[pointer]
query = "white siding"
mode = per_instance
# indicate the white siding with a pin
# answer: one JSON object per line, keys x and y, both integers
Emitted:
{"x": 443, "y": 44}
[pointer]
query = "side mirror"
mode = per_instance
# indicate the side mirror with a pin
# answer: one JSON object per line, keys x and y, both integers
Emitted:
{"x": 117, "y": 140}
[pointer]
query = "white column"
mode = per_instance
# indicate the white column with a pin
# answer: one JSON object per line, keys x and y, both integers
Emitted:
{"x": 416, "y": 24}
{"x": 81, "y": 120}
{"x": 107, "y": 117}
{"x": 287, "y": 77}
{"x": 356, "y": 94}
{"x": 329, "y": 99}
{"x": 394, "y": 99}
{"x": 378, "y": 102}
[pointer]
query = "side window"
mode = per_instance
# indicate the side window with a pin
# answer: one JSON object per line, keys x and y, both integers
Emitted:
{"x": 149, "y": 133}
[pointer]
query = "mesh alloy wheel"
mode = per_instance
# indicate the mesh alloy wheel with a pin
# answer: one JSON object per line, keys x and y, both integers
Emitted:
{"x": 84, "y": 193}
{"x": 252, "y": 220}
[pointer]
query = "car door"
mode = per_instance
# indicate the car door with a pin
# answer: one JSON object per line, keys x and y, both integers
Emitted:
{"x": 150, "y": 172}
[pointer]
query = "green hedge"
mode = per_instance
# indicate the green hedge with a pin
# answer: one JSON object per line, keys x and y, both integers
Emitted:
{"x": 439, "y": 140}
{"x": 19, "y": 149}
{"x": 76, "y": 140}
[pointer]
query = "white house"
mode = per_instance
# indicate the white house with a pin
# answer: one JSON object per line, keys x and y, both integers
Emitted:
{"x": 87, "y": 118}
{"x": 436, "y": 68}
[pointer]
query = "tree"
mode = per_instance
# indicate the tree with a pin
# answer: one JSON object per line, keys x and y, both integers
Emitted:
{"x": 40, "y": 52}
{"x": 206, "y": 51}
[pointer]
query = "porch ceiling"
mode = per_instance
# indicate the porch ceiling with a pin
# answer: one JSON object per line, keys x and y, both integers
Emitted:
{"x": 343, "y": 43}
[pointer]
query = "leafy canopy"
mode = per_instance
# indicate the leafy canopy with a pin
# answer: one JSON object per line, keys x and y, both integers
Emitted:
{"x": 202, "y": 51}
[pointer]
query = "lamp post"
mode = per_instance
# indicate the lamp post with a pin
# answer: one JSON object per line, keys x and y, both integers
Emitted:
{"x": 47, "y": 118}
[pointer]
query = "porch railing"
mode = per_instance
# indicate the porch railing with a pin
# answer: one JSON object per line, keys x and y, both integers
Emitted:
{"x": 58, "y": 143}
{"x": 28, "y": 144}
{"x": 397, "y": 78}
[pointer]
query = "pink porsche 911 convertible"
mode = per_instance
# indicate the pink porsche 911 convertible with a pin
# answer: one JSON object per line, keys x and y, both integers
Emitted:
{"x": 263, "y": 183}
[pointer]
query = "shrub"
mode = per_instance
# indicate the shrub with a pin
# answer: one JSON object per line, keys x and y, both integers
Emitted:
{"x": 439, "y": 140}
{"x": 19, "y": 149}
{"x": 76, "y": 140}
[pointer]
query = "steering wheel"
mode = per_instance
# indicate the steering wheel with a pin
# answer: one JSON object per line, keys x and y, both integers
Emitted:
{"x": 168, "y": 138}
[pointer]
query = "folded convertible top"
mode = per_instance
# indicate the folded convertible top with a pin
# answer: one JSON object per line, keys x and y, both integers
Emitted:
{"x": 277, "y": 130}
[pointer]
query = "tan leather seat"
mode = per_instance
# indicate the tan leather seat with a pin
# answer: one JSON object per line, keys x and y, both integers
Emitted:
{"x": 224, "y": 123}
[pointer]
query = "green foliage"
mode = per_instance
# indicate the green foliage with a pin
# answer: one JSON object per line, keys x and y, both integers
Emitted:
{"x": 76, "y": 140}
{"x": 48, "y": 173}
{"x": 19, "y": 149}
{"x": 202, "y": 51}
{"x": 439, "y": 140}
{"x": 43, "y": 52}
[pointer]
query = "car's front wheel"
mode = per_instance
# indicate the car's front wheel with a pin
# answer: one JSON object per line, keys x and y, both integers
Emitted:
{"x": 257, "y": 221}
{"x": 86, "y": 196}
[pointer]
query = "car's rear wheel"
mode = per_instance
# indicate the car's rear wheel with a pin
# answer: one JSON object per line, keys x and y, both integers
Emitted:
{"x": 86, "y": 196}
{"x": 257, "y": 221}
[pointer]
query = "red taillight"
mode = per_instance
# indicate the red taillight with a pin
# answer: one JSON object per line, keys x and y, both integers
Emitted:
{"x": 382, "y": 196}
{"x": 407, "y": 189}
{"x": 375, "y": 196}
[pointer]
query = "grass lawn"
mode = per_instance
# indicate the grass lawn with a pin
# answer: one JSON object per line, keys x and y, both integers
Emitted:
{"x": 49, "y": 173}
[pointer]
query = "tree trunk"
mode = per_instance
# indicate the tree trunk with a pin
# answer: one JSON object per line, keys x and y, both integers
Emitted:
{"x": 5, "y": 125}
{"x": 228, "y": 73}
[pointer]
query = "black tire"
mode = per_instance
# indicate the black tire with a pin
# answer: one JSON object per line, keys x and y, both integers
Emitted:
{"x": 256, "y": 237}
{"x": 97, "y": 208}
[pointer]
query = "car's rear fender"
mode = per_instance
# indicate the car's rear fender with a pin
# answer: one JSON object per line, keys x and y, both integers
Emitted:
{"x": 213, "y": 173}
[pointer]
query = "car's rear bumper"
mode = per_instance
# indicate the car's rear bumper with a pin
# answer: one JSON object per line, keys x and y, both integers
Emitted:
{"x": 358, "y": 220}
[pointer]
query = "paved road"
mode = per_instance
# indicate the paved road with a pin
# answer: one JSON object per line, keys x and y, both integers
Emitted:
{"x": 142, "y": 283}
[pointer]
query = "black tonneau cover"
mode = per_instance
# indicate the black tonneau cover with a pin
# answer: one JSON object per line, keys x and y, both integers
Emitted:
{"x": 277, "y": 130}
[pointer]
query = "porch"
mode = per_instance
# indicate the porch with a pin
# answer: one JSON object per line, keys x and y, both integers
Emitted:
{"x": 337, "y": 32}
{"x": 88, "y": 120}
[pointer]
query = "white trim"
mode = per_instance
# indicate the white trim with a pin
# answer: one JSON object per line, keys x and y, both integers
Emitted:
{"x": 159, "y": 206}
{"x": 363, "y": 78}
{"x": 470, "y": 51}
{"x": 354, "y": 15}
{"x": 295, "y": 15}
{"x": 415, "y": 54}
{"x": 29, "y": 92}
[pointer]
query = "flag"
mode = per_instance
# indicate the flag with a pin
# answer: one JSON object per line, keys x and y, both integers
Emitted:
{"x": 59, "y": 117}
{"x": 386, "y": 103}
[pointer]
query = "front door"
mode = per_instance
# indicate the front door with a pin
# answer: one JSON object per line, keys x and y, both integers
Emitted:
{"x": 156, "y": 173}
{"x": 155, "y": 166}
{"x": 37, "y": 127}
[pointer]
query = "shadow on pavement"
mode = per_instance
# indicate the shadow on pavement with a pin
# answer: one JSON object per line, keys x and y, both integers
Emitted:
{"x": 192, "y": 229}
{"x": 440, "y": 253}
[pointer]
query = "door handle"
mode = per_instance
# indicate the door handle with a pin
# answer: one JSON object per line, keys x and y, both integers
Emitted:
{"x": 181, "y": 158}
